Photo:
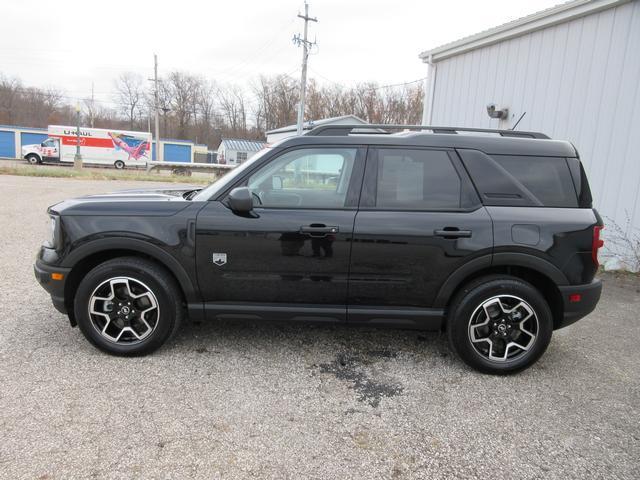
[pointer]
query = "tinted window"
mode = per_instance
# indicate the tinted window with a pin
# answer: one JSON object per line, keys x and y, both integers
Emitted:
{"x": 547, "y": 178}
{"x": 305, "y": 178}
{"x": 417, "y": 180}
{"x": 580, "y": 182}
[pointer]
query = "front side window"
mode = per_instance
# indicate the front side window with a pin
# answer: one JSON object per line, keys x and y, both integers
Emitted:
{"x": 49, "y": 142}
{"x": 305, "y": 178}
{"x": 417, "y": 180}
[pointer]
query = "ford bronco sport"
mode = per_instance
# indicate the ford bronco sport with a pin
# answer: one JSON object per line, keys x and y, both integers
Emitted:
{"x": 487, "y": 234}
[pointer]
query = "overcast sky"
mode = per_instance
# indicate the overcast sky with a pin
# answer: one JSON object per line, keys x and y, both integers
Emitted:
{"x": 70, "y": 44}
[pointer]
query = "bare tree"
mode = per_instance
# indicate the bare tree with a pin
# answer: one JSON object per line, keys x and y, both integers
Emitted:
{"x": 196, "y": 109}
{"x": 130, "y": 96}
{"x": 232, "y": 108}
{"x": 183, "y": 88}
{"x": 9, "y": 94}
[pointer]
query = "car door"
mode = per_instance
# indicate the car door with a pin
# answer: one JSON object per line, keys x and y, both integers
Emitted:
{"x": 51, "y": 150}
{"x": 419, "y": 220}
{"x": 289, "y": 258}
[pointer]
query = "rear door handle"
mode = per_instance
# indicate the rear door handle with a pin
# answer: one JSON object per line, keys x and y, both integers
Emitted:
{"x": 452, "y": 232}
{"x": 318, "y": 230}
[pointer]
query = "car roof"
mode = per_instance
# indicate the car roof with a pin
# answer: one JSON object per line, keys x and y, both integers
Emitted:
{"x": 496, "y": 145}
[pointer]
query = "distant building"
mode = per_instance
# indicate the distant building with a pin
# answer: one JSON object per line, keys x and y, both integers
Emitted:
{"x": 290, "y": 130}
{"x": 234, "y": 151}
{"x": 13, "y": 137}
{"x": 571, "y": 72}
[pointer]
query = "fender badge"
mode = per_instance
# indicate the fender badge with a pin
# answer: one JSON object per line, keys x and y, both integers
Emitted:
{"x": 219, "y": 259}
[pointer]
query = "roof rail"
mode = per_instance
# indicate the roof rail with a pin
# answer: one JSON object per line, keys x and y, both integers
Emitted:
{"x": 381, "y": 128}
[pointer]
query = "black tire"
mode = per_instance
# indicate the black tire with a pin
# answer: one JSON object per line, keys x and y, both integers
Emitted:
{"x": 33, "y": 159}
{"x": 466, "y": 308}
{"x": 142, "y": 272}
{"x": 183, "y": 172}
{"x": 119, "y": 164}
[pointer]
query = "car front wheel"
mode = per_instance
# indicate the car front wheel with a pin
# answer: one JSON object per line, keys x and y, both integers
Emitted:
{"x": 33, "y": 159}
{"x": 128, "y": 306}
{"x": 499, "y": 324}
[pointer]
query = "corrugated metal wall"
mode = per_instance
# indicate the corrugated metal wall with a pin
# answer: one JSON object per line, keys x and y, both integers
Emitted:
{"x": 577, "y": 81}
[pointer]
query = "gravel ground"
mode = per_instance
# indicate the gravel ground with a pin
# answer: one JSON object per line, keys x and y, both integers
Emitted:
{"x": 249, "y": 400}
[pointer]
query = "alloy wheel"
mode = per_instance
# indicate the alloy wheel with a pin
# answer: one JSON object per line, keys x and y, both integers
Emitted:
{"x": 503, "y": 328}
{"x": 124, "y": 310}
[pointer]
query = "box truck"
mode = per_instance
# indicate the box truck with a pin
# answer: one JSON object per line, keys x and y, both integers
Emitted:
{"x": 118, "y": 148}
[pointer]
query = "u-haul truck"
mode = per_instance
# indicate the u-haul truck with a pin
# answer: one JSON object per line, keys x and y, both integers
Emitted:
{"x": 118, "y": 148}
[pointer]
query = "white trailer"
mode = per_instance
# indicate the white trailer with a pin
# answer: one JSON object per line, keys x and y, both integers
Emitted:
{"x": 118, "y": 148}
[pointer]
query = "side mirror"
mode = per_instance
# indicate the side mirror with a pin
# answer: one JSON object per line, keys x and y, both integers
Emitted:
{"x": 276, "y": 182}
{"x": 241, "y": 200}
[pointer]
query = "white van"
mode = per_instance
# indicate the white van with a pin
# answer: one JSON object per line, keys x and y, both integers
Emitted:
{"x": 98, "y": 146}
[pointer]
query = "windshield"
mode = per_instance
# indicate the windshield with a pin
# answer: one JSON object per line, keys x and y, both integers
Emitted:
{"x": 209, "y": 191}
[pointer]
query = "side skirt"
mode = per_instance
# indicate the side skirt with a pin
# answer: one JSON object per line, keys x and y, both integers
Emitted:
{"x": 401, "y": 317}
{"x": 417, "y": 318}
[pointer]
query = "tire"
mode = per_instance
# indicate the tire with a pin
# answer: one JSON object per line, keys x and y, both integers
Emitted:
{"x": 119, "y": 164}
{"x": 33, "y": 159}
{"x": 183, "y": 172}
{"x": 499, "y": 324}
{"x": 132, "y": 283}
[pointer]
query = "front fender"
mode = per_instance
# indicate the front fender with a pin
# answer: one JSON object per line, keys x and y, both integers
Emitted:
{"x": 104, "y": 245}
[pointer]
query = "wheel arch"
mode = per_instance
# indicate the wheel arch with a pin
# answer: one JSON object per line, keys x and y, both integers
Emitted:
{"x": 85, "y": 258}
{"x": 542, "y": 274}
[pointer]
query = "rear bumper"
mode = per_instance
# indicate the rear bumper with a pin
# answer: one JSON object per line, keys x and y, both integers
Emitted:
{"x": 55, "y": 288}
{"x": 575, "y": 309}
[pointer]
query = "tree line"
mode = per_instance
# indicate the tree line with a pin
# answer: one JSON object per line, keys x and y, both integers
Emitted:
{"x": 195, "y": 108}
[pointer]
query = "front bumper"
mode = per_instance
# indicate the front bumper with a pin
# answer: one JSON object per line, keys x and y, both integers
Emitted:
{"x": 574, "y": 309}
{"x": 55, "y": 288}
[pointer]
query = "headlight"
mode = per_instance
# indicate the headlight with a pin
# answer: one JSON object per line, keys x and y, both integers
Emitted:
{"x": 54, "y": 231}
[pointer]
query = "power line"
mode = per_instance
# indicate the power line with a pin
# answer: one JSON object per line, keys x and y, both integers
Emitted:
{"x": 380, "y": 87}
{"x": 401, "y": 84}
{"x": 238, "y": 67}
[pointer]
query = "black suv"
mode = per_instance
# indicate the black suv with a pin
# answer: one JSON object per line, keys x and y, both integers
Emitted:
{"x": 487, "y": 234}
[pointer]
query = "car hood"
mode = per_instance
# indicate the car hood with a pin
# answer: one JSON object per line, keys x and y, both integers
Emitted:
{"x": 161, "y": 201}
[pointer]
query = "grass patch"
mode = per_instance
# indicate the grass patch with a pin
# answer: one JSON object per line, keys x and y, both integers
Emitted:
{"x": 101, "y": 174}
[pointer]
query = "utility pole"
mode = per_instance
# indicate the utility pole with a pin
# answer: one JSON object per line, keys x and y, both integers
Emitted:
{"x": 156, "y": 107}
{"x": 305, "y": 55}
{"x": 92, "y": 106}
{"x": 77, "y": 159}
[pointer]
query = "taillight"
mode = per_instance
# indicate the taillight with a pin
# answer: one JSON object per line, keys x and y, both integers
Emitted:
{"x": 596, "y": 244}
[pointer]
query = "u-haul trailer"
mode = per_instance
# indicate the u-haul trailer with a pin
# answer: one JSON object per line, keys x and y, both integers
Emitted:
{"x": 98, "y": 146}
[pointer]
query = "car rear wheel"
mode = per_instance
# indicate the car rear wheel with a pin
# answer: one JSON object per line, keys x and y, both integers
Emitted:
{"x": 499, "y": 324}
{"x": 184, "y": 172}
{"x": 128, "y": 306}
{"x": 119, "y": 164}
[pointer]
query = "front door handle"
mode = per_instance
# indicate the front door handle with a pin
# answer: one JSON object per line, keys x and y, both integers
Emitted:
{"x": 318, "y": 230}
{"x": 452, "y": 232}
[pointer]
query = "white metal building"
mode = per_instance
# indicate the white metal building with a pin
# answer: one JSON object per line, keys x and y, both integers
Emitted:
{"x": 234, "y": 151}
{"x": 575, "y": 70}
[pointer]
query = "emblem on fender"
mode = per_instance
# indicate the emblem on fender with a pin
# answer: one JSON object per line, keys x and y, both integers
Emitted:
{"x": 219, "y": 259}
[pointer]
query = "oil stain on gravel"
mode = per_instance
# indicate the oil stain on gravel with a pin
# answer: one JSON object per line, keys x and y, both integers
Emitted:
{"x": 349, "y": 367}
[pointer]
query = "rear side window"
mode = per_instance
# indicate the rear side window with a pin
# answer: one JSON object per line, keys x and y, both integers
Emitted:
{"x": 417, "y": 180}
{"x": 580, "y": 182}
{"x": 547, "y": 178}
